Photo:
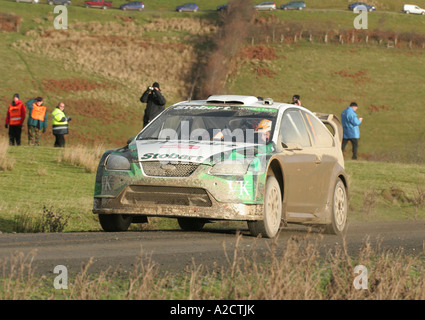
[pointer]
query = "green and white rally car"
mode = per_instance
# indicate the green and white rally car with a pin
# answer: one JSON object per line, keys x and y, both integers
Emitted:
{"x": 228, "y": 158}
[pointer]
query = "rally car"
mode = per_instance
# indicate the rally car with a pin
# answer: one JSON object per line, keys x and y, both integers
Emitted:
{"x": 228, "y": 157}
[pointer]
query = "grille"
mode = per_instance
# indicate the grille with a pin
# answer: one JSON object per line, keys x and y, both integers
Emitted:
{"x": 170, "y": 196}
{"x": 158, "y": 169}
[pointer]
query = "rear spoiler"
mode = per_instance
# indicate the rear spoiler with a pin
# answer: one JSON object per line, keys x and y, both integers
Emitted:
{"x": 334, "y": 122}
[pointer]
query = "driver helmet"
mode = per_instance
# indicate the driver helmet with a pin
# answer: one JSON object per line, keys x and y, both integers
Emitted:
{"x": 265, "y": 125}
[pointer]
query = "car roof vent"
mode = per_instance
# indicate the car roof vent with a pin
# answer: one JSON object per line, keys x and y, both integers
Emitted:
{"x": 268, "y": 101}
{"x": 232, "y": 99}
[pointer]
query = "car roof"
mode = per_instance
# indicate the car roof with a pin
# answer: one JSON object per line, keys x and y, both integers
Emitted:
{"x": 242, "y": 100}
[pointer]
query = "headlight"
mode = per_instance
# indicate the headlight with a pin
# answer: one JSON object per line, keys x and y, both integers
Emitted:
{"x": 231, "y": 167}
{"x": 116, "y": 162}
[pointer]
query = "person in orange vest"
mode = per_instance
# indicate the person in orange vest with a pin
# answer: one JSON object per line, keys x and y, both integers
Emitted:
{"x": 14, "y": 119}
{"x": 37, "y": 120}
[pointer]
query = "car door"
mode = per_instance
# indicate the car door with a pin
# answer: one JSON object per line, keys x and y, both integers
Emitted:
{"x": 299, "y": 166}
{"x": 326, "y": 156}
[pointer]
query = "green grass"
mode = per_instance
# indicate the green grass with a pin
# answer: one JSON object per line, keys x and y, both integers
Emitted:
{"x": 391, "y": 78}
{"x": 371, "y": 183}
{"x": 38, "y": 180}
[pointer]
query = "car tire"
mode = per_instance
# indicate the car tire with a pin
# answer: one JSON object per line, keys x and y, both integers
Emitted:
{"x": 270, "y": 225}
{"x": 115, "y": 222}
{"x": 191, "y": 224}
{"x": 339, "y": 212}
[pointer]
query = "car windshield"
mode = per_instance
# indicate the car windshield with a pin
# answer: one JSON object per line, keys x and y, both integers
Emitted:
{"x": 212, "y": 123}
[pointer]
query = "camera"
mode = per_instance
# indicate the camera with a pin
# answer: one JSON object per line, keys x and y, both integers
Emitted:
{"x": 150, "y": 88}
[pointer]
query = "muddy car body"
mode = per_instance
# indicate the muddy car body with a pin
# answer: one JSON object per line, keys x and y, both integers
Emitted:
{"x": 207, "y": 160}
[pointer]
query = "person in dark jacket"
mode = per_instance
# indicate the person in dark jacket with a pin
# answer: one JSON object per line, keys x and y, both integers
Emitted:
{"x": 296, "y": 100}
{"x": 37, "y": 120}
{"x": 60, "y": 125}
{"x": 155, "y": 102}
{"x": 14, "y": 119}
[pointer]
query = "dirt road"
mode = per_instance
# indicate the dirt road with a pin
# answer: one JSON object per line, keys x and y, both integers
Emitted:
{"x": 174, "y": 250}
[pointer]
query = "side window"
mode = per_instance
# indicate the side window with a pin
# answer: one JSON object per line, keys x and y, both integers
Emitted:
{"x": 293, "y": 129}
{"x": 322, "y": 138}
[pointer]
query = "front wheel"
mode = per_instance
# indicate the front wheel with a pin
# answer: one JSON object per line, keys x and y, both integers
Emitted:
{"x": 115, "y": 222}
{"x": 269, "y": 226}
{"x": 339, "y": 213}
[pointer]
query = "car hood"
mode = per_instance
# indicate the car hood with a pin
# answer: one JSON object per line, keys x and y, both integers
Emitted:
{"x": 190, "y": 151}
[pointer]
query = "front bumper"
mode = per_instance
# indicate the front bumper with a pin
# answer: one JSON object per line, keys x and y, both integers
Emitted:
{"x": 199, "y": 195}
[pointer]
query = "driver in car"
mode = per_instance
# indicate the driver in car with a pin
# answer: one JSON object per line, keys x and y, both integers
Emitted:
{"x": 264, "y": 129}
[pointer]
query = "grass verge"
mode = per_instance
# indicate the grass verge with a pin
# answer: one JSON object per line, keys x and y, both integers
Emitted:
{"x": 390, "y": 276}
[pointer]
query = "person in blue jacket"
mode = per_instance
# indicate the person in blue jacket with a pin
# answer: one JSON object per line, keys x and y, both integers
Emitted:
{"x": 351, "y": 130}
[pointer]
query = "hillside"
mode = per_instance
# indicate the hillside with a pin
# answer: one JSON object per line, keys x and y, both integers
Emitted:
{"x": 100, "y": 66}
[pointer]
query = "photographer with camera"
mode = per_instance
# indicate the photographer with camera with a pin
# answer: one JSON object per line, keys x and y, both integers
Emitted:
{"x": 155, "y": 102}
{"x": 296, "y": 100}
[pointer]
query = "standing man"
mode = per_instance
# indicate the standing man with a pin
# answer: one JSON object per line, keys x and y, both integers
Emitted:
{"x": 155, "y": 103}
{"x": 14, "y": 119}
{"x": 350, "y": 125}
{"x": 37, "y": 120}
{"x": 60, "y": 125}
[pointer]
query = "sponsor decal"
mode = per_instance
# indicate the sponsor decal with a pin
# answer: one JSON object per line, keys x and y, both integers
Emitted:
{"x": 170, "y": 156}
{"x": 201, "y": 108}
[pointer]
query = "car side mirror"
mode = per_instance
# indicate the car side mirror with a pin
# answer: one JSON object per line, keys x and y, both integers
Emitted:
{"x": 291, "y": 146}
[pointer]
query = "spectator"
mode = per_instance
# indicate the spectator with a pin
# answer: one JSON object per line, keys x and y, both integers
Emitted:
{"x": 351, "y": 130}
{"x": 60, "y": 125}
{"x": 14, "y": 119}
{"x": 296, "y": 100}
{"x": 155, "y": 103}
{"x": 37, "y": 120}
